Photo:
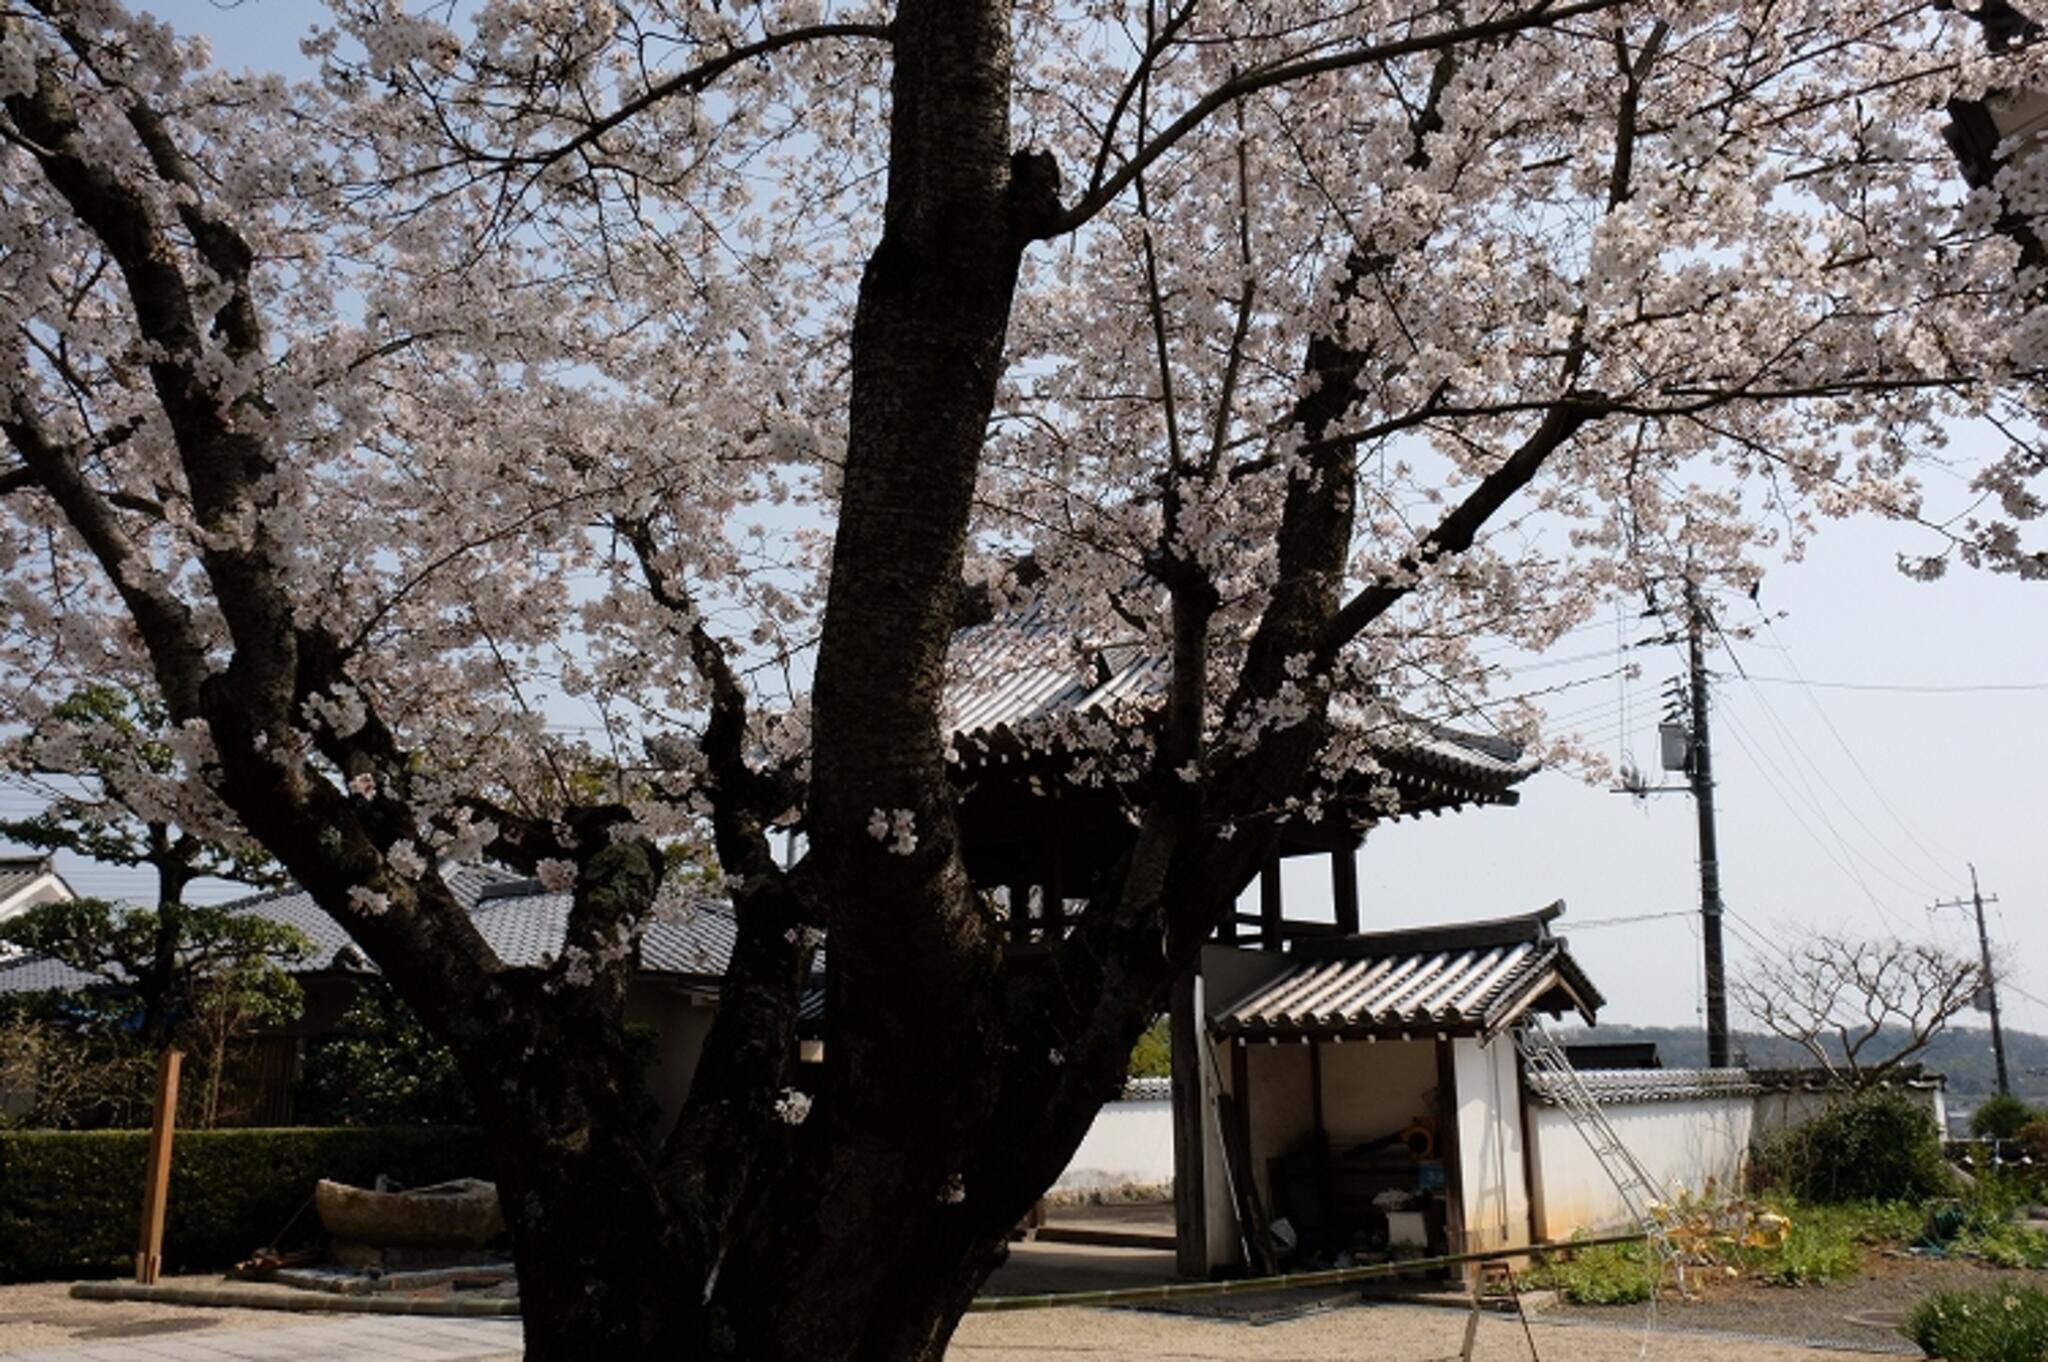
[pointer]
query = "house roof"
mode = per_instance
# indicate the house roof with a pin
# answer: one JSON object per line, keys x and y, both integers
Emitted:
{"x": 19, "y": 872}
{"x": 1466, "y": 979}
{"x": 525, "y": 925}
{"x": 1027, "y": 672}
{"x": 522, "y": 922}
{"x": 29, "y": 879}
{"x": 40, "y": 974}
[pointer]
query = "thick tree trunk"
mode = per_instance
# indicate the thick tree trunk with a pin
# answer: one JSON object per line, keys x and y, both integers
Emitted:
{"x": 593, "y": 1241}
{"x": 886, "y": 1225}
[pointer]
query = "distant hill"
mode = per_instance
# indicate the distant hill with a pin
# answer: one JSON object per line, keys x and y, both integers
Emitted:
{"x": 1962, "y": 1053}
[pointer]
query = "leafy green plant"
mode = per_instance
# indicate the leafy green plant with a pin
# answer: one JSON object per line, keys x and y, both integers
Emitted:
{"x": 1152, "y": 1056}
{"x": 2000, "y": 1117}
{"x": 1981, "y": 1326}
{"x": 1774, "y": 1239}
{"x": 379, "y": 1067}
{"x": 2006, "y": 1245}
{"x": 1605, "y": 1274}
{"x": 1869, "y": 1145}
{"x": 1812, "y": 1251}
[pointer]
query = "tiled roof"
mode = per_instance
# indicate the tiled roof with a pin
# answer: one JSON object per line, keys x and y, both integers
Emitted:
{"x": 1469, "y": 979}
{"x": 39, "y": 974}
{"x": 1813, "y": 1079}
{"x": 1027, "y": 668}
{"x": 1627, "y": 1086}
{"x": 19, "y": 872}
{"x": 1147, "y": 1089}
{"x": 1027, "y": 671}
{"x": 525, "y": 924}
{"x": 521, "y": 922}
{"x": 19, "y": 875}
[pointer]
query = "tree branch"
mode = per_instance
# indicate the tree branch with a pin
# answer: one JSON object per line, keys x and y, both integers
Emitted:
{"x": 1251, "y": 82}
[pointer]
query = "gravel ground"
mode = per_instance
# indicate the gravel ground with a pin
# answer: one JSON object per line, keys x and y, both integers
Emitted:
{"x": 43, "y": 1315}
{"x": 1860, "y": 1312}
{"x": 1383, "y": 1333}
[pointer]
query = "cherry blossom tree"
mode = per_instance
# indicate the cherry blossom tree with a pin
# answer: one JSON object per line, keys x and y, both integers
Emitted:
{"x": 709, "y": 365}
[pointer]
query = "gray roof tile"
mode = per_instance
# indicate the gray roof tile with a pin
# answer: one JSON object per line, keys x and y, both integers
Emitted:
{"x": 1628, "y": 1086}
{"x": 1027, "y": 671}
{"x": 1467, "y": 978}
{"x": 522, "y": 923}
{"x": 19, "y": 872}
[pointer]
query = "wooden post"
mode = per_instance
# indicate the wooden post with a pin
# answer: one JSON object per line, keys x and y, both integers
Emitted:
{"x": 156, "y": 1185}
{"x": 1270, "y": 910}
{"x": 1344, "y": 888}
{"x": 1190, "y": 1199}
{"x": 1450, "y": 1149}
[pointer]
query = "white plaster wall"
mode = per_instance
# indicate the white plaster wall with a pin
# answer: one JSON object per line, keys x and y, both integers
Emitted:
{"x": 1372, "y": 1089}
{"x": 682, "y": 1021}
{"x": 48, "y": 889}
{"x": 1280, "y": 1103}
{"x": 1683, "y": 1145}
{"x": 1494, "y": 1196}
{"x": 1130, "y": 1144}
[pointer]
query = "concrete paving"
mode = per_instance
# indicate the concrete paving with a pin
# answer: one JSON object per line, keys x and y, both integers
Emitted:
{"x": 359, "y": 1338}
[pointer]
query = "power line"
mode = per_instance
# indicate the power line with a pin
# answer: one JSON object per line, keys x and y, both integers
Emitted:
{"x": 1906, "y": 688}
{"x": 2012, "y": 987}
{"x": 1938, "y": 862}
{"x": 1801, "y": 762}
{"x": 1627, "y": 921}
{"x": 1763, "y": 761}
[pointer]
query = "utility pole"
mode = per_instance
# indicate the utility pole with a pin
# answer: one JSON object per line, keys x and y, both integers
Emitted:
{"x": 1977, "y": 901}
{"x": 1700, "y": 767}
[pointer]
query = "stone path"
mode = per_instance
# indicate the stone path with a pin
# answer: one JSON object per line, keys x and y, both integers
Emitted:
{"x": 359, "y": 1338}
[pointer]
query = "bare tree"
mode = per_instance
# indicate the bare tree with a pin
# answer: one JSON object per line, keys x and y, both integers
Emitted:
{"x": 1861, "y": 1008}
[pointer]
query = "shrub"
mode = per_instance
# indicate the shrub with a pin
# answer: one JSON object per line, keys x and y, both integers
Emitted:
{"x": 380, "y": 1067}
{"x": 2034, "y": 1135}
{"x": 1981, "y": 1326}
{"x": 1871, "y": 1145}
{"x": 70, "y": 1201}
{"x": 1152, "y": 1056}
{"x": 2000, "y": 1117}
{"x": 1609, "y": 1274}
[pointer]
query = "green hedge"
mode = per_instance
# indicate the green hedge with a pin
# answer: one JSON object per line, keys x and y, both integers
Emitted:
{"x": 71, "y": 1201}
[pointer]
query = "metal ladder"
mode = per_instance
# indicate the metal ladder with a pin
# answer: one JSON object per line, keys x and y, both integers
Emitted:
{"x": 1639, "y": 1191}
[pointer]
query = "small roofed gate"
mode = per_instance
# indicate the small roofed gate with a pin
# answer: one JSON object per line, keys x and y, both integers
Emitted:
{"x": 1047, "y": 734}
{"x": 1047, "y": 731}
{"x": 1372, "y": 1101}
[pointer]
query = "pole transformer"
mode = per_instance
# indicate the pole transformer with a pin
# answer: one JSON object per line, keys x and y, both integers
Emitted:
{"x": 1976, "y": 902}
